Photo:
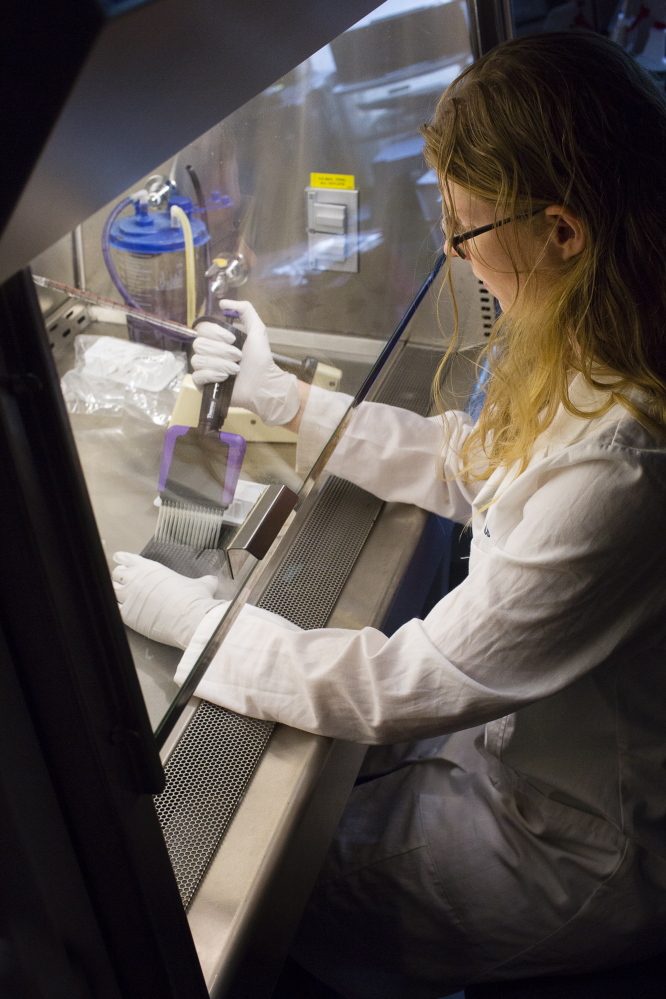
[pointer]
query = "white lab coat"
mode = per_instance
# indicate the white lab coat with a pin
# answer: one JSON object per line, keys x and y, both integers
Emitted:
{"x": 533, "y": 839}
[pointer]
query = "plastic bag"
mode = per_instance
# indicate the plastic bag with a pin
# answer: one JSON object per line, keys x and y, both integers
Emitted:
{"x": 116, "y": 376}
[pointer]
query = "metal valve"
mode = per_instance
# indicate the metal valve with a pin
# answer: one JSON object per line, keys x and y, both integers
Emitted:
{"x": 159, "y": 188}
{"x": 227, "y": 272}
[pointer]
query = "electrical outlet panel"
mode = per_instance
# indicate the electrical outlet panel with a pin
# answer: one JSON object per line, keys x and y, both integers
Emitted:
{"x": 332, "y": 229}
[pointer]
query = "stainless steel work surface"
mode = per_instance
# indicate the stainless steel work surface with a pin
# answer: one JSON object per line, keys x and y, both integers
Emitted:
{"x": 120, "y": 457}
{"x": 120, "y": 461}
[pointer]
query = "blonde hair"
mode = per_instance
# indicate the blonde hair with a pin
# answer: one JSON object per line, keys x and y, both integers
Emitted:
{"x": 564, "y": 119}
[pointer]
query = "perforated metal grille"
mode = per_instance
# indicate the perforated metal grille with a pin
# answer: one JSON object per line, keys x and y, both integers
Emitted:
{"x": 206, "y": 777}
{"x": 407, "y": 384}
{"x": 310, "y": 578}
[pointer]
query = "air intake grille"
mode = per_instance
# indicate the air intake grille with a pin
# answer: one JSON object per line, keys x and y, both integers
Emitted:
{"x": 309, "y": 580}
{"x": 407, "y": 383}
{"x": 206, "y": 777}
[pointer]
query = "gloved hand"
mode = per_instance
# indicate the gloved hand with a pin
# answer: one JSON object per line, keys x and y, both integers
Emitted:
{"x": 160, "y": 603}
{"x": 260, "y": 386}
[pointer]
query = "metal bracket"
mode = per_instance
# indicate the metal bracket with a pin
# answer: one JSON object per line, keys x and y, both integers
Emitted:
{"x": 261, "y": 527}
{"x": 72, "y": 317}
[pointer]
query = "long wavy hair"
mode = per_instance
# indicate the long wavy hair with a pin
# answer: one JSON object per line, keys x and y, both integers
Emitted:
{"x": 563, "y": 119}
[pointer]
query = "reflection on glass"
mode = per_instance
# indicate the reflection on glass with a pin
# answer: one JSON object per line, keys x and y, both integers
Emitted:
{"x": 312, "y": 202}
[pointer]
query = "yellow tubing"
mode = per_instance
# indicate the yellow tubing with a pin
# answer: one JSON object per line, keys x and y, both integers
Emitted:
{"x": 178, "y": 215}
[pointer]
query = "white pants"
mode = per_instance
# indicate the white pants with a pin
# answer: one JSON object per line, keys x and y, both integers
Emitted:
{"x": 441, "y": 874}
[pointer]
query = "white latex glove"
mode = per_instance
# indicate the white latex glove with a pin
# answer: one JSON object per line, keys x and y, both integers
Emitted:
{"x": 160, "y": 603}
{"x": 260, "y": 386}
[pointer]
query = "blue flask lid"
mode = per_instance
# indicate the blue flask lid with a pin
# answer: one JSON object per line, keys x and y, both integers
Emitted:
{"x": 152, "y": 232}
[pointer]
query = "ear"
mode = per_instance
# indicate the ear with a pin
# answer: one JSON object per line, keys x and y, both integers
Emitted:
{"x": 568, "y": 236}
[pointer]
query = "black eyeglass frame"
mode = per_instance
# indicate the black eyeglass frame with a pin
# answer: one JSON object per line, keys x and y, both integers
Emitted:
{"x": 457, "y": 241}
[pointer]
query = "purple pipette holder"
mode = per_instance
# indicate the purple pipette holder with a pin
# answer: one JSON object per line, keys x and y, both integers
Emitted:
{"x": 236, "y": 444}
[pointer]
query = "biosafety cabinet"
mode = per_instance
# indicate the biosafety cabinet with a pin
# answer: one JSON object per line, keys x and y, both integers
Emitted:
{"x": 164, "y": 156}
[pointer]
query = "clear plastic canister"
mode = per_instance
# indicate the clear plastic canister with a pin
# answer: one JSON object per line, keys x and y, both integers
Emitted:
{"x": 149, "y": 256}
{"x": 156, "y": 281}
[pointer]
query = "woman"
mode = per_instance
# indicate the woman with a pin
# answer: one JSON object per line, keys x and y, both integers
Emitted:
{"x": 524, "y": 832}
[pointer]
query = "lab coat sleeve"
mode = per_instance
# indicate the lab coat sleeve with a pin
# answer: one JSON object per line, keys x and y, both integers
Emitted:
{"x": 322, "y": 415}
{"x": 393, "y": 453}
{"x": 206, "y": 628}
{"x": 575, "y": 577}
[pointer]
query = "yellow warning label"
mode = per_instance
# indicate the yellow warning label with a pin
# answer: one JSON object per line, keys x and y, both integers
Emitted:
{"x": 333, "y": 181}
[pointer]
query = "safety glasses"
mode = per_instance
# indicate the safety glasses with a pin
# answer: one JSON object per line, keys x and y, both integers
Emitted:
{"x": 458, "y": 241}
